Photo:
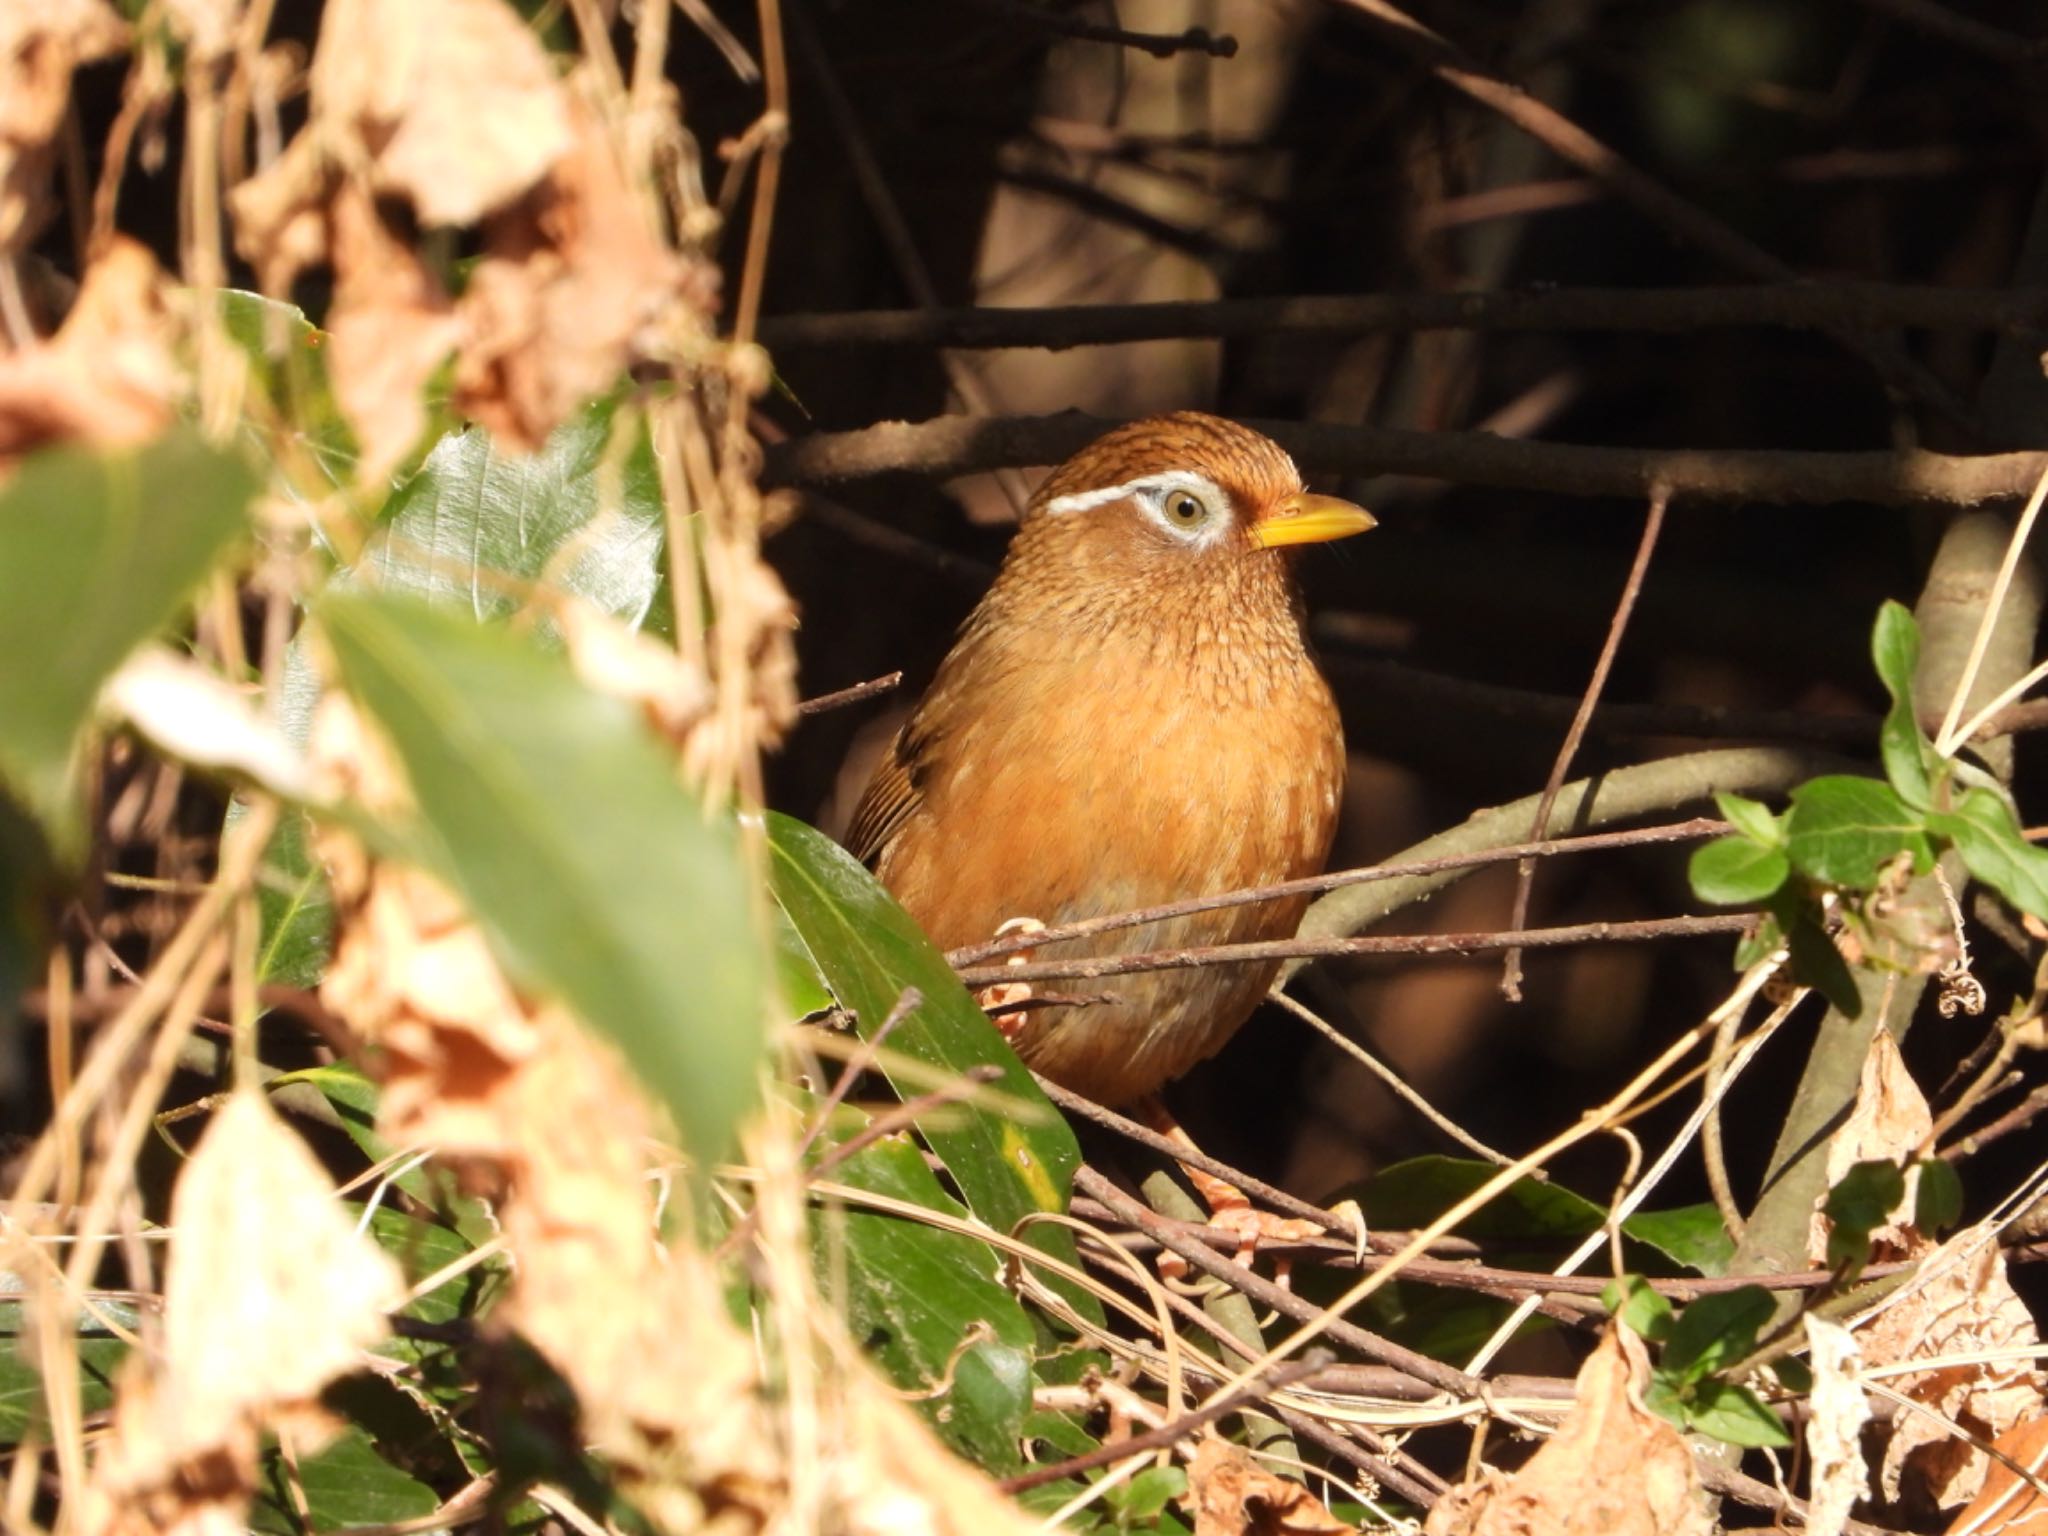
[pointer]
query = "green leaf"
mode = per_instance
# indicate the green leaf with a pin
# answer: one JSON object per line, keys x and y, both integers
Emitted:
{"x": 1735, "y": 872}
{"x": 296, "y": 906}
{"x": 1147, "y": 1494}
{"x": 100, "y": 1354}
{"x": 1938, "y": 1198}
{"x": 96, "y": 553}
{"x": 1861, "y": 1202}
{"x": 288, "y": 374}
{"x": 1814, "y": 960}
{"x": 1694, "y": 1235}
{"x": 1640, "y": 1306}
{"x": 556, "y": 814}
{"x": 1751, "y": 819}
{"x": 916, "y": 1295}
{"x": 802, "y": 986}
{"x": 346, "y": 1484}
{"x": 1760, "y": 942}
{"x": 585, "y": 514}
{"x": 1716, "y": 1331}
{"x": 869, "y": 950}
{"x": 1845, "y": 830}
{"x": 1910, "y": 761}
{"x": 1735, "y": 1415}
{"x": 1988, "y": 836}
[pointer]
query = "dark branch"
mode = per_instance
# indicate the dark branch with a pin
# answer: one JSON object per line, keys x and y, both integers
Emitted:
{"x": 960, "y": 445}
{"x": 1792, "y": 306}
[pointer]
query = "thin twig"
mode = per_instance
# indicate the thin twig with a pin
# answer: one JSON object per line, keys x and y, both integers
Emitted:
{"x": 1638, "y": 931}
{"x": 1635, "y": 311}
{"x": 840, "y": 698}
{"x": 1625, "y": 605}
{"x": 1165, "y": 1434}
{"x": 1385, "y": 1074}
{"x": 1594, "y": 842}
{"x": 958, "y": 445}
{"x": 1161, "y": 45}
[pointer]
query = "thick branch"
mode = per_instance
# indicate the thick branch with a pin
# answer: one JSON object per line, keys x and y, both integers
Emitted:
{"x": 959, "y": 445}
{"x": 1793, "y": 306}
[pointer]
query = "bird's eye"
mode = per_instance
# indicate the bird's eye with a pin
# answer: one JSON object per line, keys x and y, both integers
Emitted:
{"x": 1185, "y": 509}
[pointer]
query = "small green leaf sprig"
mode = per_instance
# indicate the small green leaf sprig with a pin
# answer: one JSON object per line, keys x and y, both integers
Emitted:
{"x": 1858, "y": 839}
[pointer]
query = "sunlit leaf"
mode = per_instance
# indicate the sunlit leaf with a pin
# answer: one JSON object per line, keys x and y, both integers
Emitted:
{"x": 869, "y": 950}
{"x": 1735, "y": 872}
{"x": 1717, "y": 1330}
{"x": 1910, "y": 761}
{"x": 557, "y": 815}
{"x": 97, "y": 550}
{"x": 1845, "y": 830}
{"x": 1993, "y": 846}
{"x": 1734, "y": 1414}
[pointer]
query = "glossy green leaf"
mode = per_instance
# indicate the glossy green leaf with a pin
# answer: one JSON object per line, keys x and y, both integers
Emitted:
{"x": 288, "y": 375}
{"x": 1910, "y": 761}
{"x": 1937, "y": 1197}
{"x": 1640, "y": 1306}
{"x": 346, "y": 1484}
{"x": 100, "y": 1353}
{"x": 918, "y": 1298}
{"x": 1415, "y": 1192}
{"x": 1716, "y": 1331}
{"x": 557, "y": 815}
{"x": 476, "y": 524}
{"x": 1736, "y": 872}
{"x": 1751, "y": 819}
{"x": 801, "y": 985}
{"x": 869, "y": 951}
{"x": 1993, "y": 846}
{"x": 96, "y": 553}
{"x": 1860, "y": 1202}
{"x": 1735, "y": 1415}
{"x": 1694, "y": 1235}
{"x": 1845, "y": 830}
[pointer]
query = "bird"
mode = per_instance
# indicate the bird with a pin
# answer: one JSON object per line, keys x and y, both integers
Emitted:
{"x": 1130, "y": 716}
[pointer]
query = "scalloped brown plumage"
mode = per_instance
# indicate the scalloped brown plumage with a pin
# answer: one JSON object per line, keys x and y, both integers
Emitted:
{"x": 1131, "y": 716}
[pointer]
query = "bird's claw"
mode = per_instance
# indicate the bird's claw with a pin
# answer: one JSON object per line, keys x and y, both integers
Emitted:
{"x": 1007, "y": 994}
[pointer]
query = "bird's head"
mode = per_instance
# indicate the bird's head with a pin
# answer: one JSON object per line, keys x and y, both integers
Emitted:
{"x": 1178, "y": 510}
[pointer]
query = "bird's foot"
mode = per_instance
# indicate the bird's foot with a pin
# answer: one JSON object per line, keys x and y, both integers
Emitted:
{"x": 1010, "y": 996}
{"x": 1229, "y": 1207}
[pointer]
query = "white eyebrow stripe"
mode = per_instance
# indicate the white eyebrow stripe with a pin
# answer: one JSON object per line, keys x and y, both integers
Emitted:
{"x": 1165, "y": 480}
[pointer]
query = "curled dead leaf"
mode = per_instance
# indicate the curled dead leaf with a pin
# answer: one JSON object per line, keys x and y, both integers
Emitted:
{"x": 1613, "y": 1467}
{"x": 574, "y": 286}
{"x": 271, "y": 1293}
{"x": 1232, "y": 1495}
{"x": 2007, "y": 1505}
{"x": 1888, "y": 1122}
{"x": 1960, "y": 1305}
{"x": 453, "y": 106}
{"x": 40, "y": 45}
{"x": 106, "y": 378}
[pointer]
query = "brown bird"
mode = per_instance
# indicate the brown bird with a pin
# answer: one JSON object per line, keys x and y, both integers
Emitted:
{"x": 1130, "y": 717}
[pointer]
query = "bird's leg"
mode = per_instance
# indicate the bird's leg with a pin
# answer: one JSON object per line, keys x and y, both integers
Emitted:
{"x": 1229, "y": 1207}
{"x": 1007, "y": 994}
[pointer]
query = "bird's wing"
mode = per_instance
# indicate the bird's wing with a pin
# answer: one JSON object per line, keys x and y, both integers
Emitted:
{"x": 892, "y": 794}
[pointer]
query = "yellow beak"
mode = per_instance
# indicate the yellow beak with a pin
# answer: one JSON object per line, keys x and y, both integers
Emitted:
{"x": 1305, "y": 518}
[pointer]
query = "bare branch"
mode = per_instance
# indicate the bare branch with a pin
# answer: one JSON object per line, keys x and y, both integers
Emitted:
{"x": 1789, "y": 306}
{"x": 960, "y": 445}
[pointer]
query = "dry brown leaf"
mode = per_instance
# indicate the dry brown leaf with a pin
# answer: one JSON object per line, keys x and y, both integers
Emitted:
{"x": 2007, "y": 1506}
{"x": 453, "y": 106}
{"x": 1961, "y": 1304}
{"x": 573, "y": 287}
{"x": 391, "y": 326}
{"x": 41, "y": 43}
{"x": 1232, "y": 1495}
{"x": 106, "y": 378}
{"x": 1834, "y": 1431}
{"x": 1888, "y": 1122}
{"x": 1612, "y": 1468}
{"x": 271, "y": 1293}
{"x": 208, "y": 26}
